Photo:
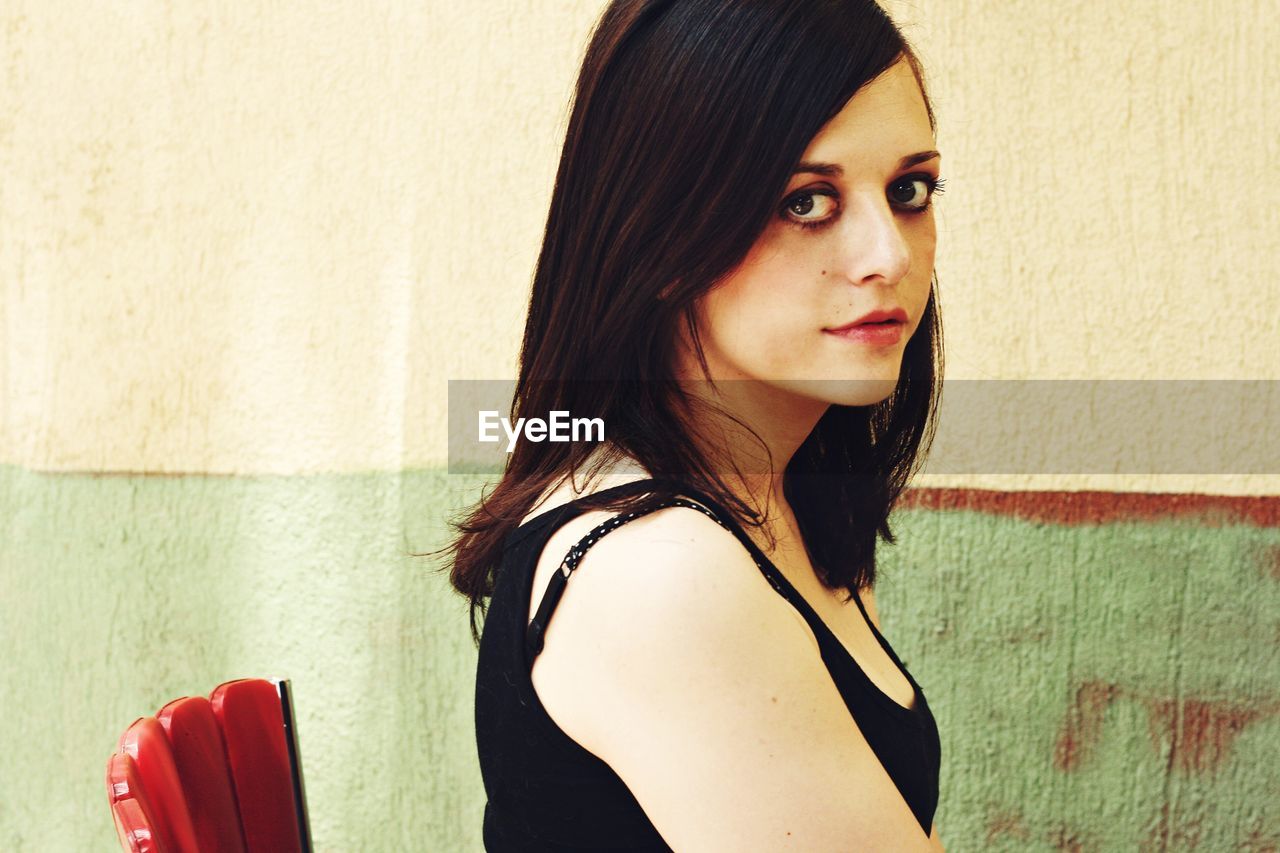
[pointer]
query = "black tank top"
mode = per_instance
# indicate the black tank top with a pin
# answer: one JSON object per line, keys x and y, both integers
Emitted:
{"x": 547, "y": 792}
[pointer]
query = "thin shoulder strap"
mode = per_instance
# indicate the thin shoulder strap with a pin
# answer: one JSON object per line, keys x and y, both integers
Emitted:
{"x": 727, "y": 520}
{"x": 535, "y": 633}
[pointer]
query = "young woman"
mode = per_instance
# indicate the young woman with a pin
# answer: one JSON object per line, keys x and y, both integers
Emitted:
{"x": 737, "y": 278}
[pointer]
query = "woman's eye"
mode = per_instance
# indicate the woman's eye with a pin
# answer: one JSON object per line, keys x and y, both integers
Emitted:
{"x": 809, "y": 209}
{"x": 916, "y": 191}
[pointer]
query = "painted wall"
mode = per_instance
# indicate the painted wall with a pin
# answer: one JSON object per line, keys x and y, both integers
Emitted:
{"x": 243, "y": 248}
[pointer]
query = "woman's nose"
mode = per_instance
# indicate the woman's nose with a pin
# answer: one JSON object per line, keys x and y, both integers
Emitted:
{"x": 875, "y": 247}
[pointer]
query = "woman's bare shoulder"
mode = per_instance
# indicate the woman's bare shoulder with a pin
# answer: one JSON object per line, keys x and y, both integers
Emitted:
{"x": 674, "y": 651}
{"x": 672, "y": 565}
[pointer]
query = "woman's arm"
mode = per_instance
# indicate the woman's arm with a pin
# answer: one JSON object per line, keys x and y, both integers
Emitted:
{"x": 710, "y": 700}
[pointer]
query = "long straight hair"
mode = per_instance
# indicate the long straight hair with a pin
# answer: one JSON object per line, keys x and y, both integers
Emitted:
{"x": 687, "y": 120}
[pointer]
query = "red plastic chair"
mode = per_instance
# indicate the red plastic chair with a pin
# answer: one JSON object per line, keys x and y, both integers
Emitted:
{"x": 130, "y": 808}
{"x": 216, "y": 775}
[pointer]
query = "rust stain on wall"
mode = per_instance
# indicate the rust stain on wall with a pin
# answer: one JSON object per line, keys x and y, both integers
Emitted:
{"x": 1173, "y": 833}
{"x": 1070, "y": 839}
{"x": 1199, "y": 732}
{"x": 1100, "y": 507}
{"x": 1002, "y": 822}
{"x": 1259, "y": 841}
{"x": 1269, "y": 562}
{"x": 1083, "y": 727}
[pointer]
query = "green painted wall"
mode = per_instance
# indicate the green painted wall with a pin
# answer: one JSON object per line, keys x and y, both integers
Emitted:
{"x": 1098, "y": 686}
{"x": 1105, "y": 684}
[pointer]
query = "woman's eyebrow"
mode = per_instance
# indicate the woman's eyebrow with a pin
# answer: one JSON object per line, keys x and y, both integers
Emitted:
{"x": 832, "y": 169}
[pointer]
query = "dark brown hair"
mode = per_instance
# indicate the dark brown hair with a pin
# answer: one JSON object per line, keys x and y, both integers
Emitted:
{"x": 687, "y": 120}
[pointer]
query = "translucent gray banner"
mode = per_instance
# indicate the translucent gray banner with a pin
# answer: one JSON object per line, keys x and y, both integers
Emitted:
{"x": 1042, "y": 426}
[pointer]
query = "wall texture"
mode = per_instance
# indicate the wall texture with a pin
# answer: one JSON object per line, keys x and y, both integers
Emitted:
{"x": 244, "y": 246}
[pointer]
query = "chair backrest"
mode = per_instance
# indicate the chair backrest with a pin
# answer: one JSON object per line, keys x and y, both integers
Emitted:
{"x": 196, "y": 741}
{"x": 145, "y": 742}
{"x": 130, "y": 808}
{"x": 252, "y": 722}
{"x": 218, "y": 774}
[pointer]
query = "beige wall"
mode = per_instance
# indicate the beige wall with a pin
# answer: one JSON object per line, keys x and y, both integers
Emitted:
{"x": 248, "y": 238}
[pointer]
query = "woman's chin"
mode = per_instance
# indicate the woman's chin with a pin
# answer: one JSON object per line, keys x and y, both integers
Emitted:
{"x": 851, "y": 392}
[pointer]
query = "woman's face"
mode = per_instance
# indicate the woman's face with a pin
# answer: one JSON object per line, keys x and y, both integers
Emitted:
{"x": 853, "y": 234}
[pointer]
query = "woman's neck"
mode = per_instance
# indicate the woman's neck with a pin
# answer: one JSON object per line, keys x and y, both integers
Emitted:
{"x": 752, "y": 453}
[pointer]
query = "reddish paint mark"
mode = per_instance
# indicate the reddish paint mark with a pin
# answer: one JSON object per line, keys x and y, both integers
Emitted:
{"x": 1269, "y": 560}
{"x": 1199, "y": 732}
{"x": 1172, "y": 834}
{"x": 1083, "y": 727}
{"x": 1070, "y": 840}
{"x": 1080, "y": 508}
{"x": 1001, "y": 823}
{"x": 1256, "y": 842}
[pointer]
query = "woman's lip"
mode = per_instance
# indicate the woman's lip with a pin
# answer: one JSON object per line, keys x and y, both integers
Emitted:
{"x": 874, "y": 334}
